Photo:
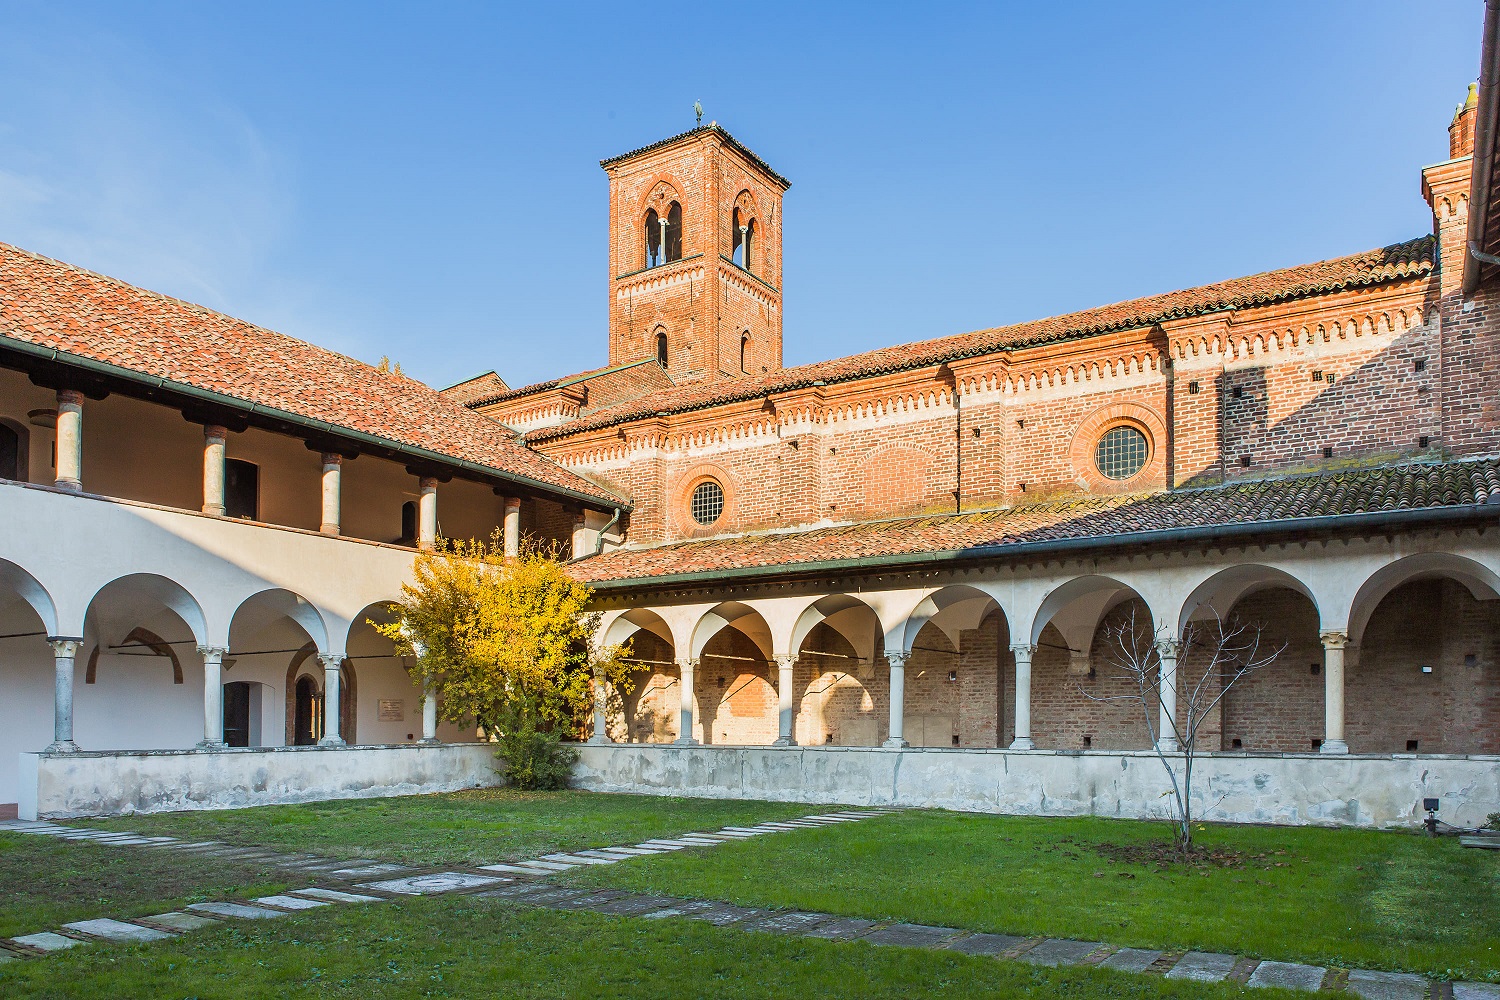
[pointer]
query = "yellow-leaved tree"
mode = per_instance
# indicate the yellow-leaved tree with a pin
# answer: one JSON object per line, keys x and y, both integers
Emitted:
{"x": 507, "y": 643}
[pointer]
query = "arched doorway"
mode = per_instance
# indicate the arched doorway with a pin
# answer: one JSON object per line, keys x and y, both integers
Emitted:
{"x": 307, "y": 712}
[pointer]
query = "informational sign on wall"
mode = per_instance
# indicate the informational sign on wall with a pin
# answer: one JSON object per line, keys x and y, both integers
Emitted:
{"x": 392, "y": 710}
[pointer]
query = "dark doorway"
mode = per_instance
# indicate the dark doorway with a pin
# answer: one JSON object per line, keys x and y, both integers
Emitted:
{"x": 10, "y": 453}
{"x": 242, "y": 489}
{"x": 237, "y": 714}
{"x": 306, "y": 722}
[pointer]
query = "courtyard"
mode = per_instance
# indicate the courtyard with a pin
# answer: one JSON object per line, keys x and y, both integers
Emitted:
{"x": 541, "y": 894}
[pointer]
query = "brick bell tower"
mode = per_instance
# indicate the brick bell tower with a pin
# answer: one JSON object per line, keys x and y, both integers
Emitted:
{"x": 695, "y": 257}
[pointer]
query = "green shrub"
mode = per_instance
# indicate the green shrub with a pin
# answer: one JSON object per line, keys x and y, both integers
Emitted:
{"x": 535, "y": 760}
{"x": 1493, "y": 822}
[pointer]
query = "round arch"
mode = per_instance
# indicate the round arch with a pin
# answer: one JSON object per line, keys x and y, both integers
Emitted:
{"x": 731, "y": 614}
{"x": 1079, "y": 605}
{"x": 1480, "y": 580}
{"x": 952, "y": 609}
{"x": 850, "y": 617}
{"x": 136, "y": 594}
{"x": 261, "y": 610}
{"x": 1221, "y": 592}
{"x": 30, "y": 591}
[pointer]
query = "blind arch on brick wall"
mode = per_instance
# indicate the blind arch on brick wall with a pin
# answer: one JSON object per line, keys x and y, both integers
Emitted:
{"x": 897, "y": 478}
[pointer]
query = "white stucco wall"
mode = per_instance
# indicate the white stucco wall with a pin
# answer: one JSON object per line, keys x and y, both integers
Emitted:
{"x": 1291, "y": 789}
{"x": 59, "y": 786}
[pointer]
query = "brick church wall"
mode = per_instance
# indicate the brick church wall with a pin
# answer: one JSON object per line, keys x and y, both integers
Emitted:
{"x": 1278, "y": 708}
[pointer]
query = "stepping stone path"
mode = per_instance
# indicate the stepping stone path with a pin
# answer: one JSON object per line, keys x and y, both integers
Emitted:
{"x": 524, "y": 882}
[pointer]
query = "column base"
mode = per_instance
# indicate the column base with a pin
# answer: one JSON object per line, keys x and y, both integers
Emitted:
{"x": 429, "y": 741}
{"x": 686, "y": 742}
{"x": 1022, "y": 743}
{"x": 1334, "y": 746}
{"x": 69, "y": 484}
{"x": 328, "y": 529}
{"x": 210, "y": 745}
{"x": 1168, "y": 746}
{"x": 331, "y": 741}
{"x": 896, "y": 743}
{"x": 217, "y": 510}
{"x": 784, "y": 741}
{"x": 599, "y": 740}
{"x": 62, "y": 746}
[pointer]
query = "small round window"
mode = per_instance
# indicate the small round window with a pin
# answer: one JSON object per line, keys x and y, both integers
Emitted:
{"x": 1121, "y": 452}
{"x": 708, "y": 502}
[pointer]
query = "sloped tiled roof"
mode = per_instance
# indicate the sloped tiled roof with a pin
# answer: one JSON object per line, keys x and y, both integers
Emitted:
{"x": 1402, "y": 260}
{"x": 1118, "y": 519}
{"x": 716, "y": 129}
{"x": 52, "y": 305}
{"x": 478, "y": 387}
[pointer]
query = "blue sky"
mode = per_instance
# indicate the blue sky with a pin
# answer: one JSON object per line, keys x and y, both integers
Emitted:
{"x": 422, "y": 181}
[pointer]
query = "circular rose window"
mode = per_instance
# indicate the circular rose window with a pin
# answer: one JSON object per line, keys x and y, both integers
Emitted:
{"x": 1121, "y": 452}
{"x": 708, "y": 502}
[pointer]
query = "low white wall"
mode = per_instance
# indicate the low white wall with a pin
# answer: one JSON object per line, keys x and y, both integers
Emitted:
{"x": 1291, "y": 789}
{"x": 58, "y": 786}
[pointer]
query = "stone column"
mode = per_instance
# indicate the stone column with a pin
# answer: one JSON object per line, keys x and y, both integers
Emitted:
{"x": 512, "y": 526}
{"x": 661, "y": 256}
{"x": 427, "y": 513}
{"x": 786, "y": 712}
{"x": 1023, "y": 654}
{"x": 1167, "y": 651}
{"x": 213, "y": 696}
{"x": 429, "y": 712}
{"x": 333, "y": 475}
{"x": 1333, "y": 691}
{"x": 897, "y": 660}
{"x": 213, "y": 468}
{"x": 331, "y": 666}
{"x": 745, "y": 247}
{"x": 601, "y": 709}
{"x": 685, "y": 726}
{"x": 580, "y": 535}
{"x": 63, "y": 651}
{"x": 69, "y": 439}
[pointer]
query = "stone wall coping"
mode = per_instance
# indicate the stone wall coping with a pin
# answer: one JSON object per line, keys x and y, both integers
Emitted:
{"x": 201, "y": 751}
{"x": 1004, "y": 751}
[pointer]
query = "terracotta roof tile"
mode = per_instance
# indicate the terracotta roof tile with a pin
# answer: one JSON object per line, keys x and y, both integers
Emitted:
{"x": 478, "y": 387}
{"x": 49, "y": 304}
{"x": 989, "y": 532}
{"x": 1401, "y": 260}
{"x": 713, "y": 127}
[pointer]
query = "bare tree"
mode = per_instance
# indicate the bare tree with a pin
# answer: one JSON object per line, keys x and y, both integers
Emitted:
{"x": 1219, "y": 654}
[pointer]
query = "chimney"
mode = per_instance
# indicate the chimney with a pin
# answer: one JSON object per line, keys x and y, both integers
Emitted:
{"x": 1461, "y": 131}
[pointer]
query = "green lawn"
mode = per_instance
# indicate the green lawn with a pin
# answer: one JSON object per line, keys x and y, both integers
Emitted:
{"x": 1346, "y": 898}
{"x": 470, "y": 947}
{"x": 471, "y": 827}
{"x": 45, "y": 883}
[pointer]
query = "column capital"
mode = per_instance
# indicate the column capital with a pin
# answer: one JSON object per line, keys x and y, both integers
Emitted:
{"x": 331, "y": 458}
{"x": 786, "y": 661}
{"x": 512, "y": 503}
{"x": 897, "y": 658}
{"x": 1025, "y": 649}
{"x": 216, "y": 653}
{"x": 1169, "y": 648}
{"x": 64, "y": 645}
{"x": 331, "y": 661}
{"x": 215, "y": 432}
{"x": 427, "y": 482}
{"x": 1334, "y": 640}
{"x": 687, "y": 663}
{"x": 69, "y": 397}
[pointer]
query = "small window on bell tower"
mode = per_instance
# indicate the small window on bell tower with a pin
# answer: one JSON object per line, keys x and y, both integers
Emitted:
{"x": 674, "y": 233}
{"x": 661, "y": 348}
{"x": 653, "y": 238}
{"x": 745, "y": 352}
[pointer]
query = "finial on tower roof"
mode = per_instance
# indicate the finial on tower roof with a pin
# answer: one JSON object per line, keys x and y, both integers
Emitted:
{"x": 1473, "y": 99}
{"x": 698, "y": 110}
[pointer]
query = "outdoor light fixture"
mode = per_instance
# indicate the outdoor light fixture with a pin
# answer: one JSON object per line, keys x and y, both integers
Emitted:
{"x": 1431, "y": 805}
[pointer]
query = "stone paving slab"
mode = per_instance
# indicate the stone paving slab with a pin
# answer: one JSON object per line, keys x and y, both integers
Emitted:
{"x": 1131, "y": 960}
{"x": 366, "y": 871}
{"x": 116, "y": 930}
{"x": 573, "y": 859}
{"x": 8, "y": 956}
{"x": 542, "y": 894}
{"x": 647, "y": 845}
{"x": 606, "y": 856}
{"x": 668, "y": 843}
{"x": 985, "y": 944}
{"x": 912, "y": 935}
{"x": 182, "y": 921}
{"x": 336, "y": 896}
{"x": 241, "y": 911}
{"x": 552, "y": 866}
{"x": 426, "y": 885}
{"x": 630, "y": 851}
{"x": 47, "y": 941}
{"x": 791, "y": 922}
{"x": 1203, "y": 967}
{"x": 724, "y": 914}
{"x": 1061, "y": 951}
{"x": 1287, "y": 976}
{"x": 516, "y": 869}
{"x": 635, "y": 906}
{"x": 841, "y": 929}
{"x": 1476, "y": 991}
{"x": 1387, "y": 985}
{"x": 681, "y": 908}
{"x": 598, "y": 897}
{"x": 290, "y": 902}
